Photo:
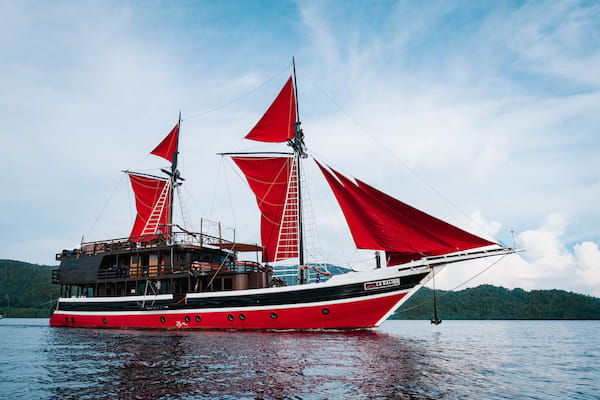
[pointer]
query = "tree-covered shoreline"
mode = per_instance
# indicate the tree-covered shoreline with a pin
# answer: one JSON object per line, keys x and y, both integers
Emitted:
{"x": 26, "y": 291}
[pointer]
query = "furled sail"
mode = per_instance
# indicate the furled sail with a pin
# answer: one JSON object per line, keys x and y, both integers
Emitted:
{"x": 152, "y": 201}
{"x": 273, "y": 181}
{"x": 277, "y": 124}
{"x": 379, "y": 221}
{"x": 168, "y": 146}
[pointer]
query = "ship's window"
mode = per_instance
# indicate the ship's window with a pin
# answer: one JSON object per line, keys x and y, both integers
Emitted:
{"x": 153, "y": 259}
{"x": 217, "y": 284}
{"x": 145, "y": 259}
{"x": 227, "y": 284}
{"x": 135, "y": 261}
{"x": 187, "y": 318}
{"x": 230, "y": 317}
{"x": 197, "y": 318}
{"x": 242, "y": 317}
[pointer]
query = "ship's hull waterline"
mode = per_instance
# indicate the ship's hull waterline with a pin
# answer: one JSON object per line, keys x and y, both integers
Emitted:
{"x": 348, "y": 304}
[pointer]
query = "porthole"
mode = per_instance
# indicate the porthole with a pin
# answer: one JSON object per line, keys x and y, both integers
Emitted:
{"x": 230, "y": 317}
{"x": 187, "y": 318}
{"x": 66, "y": 319}
{"x": 273, "y": 315}
{"x": 242, "y": 317}
{"x": 104, "y": 320}
{"x": 72, "y": 319}
{"x": 325, "y": 311}
{"x": 162, "y": 319}
{"x": 197, "y": 318}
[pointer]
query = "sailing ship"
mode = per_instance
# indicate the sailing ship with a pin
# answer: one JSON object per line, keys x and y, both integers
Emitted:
{"x": 163, "y": 276}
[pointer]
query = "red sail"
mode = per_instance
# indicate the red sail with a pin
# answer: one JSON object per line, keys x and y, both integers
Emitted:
{"x": 404, "y": 232}
{"x": 358, "y": 221}
{"x": 152, "y": 201}
{"x": 168, "y": 146}
{"x": 272, "y": 179}
{"x": 456, "y": 238}
{"x": 277, "y": 125}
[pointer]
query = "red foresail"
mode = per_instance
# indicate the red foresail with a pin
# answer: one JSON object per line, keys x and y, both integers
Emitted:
{"x": 404, "y": 232}
{"x": 168, "y": 146}
{"x": 455, "y": 238}
{"x": 358, "y": 221}
{"x": 277, "y": 125}
{"x": 152, "y": 201}
{"x": 273, "y": 180}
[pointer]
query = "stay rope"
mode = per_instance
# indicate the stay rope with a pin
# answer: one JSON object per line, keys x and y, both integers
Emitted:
{"x": 254, "y": 89}
{"x": 395, "y": 157}
{"x": 105, "y": 205}
{"x": 459, "y": 285}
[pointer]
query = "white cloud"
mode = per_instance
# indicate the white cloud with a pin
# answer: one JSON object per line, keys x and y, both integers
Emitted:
{"x": 498, "y": 114}
{"x": 588, "y": 262}
{"x": 546, "y": 264}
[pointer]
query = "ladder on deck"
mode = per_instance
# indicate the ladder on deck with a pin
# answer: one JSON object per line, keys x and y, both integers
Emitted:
{"x": 287, "y": 243}
{"x": 159, "y": 207}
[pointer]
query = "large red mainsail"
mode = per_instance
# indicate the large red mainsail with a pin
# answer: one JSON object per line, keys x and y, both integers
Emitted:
{"x": 152, "y": 201}
{"x": 272, "y": 180}
{"x": 277, "y": 124}
{"x": 379, "y": 221}
{"x": 168, "y": 146}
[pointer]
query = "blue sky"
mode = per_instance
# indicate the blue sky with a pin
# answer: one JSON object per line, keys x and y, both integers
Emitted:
{"x": 495, "y": 106}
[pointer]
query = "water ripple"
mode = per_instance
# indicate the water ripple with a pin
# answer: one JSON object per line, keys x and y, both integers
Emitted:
{"x": 403, "y": 359}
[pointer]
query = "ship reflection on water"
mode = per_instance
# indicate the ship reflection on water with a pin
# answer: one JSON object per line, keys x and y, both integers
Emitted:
{"x": 153, "y": 364}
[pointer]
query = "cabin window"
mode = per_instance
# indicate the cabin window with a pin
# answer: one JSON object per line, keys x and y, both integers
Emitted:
{"x": 217, "y": 284}
{"x": 135, "y": 261}
{"x": 153, "y": 259}
{"x": 227, "y": 284}
{"x": 145, "y": 259}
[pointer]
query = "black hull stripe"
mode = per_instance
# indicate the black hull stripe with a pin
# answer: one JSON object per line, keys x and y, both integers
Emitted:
{"x": 263, "y": 299}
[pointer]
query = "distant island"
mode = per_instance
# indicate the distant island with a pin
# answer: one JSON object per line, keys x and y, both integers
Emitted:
{"x": 26, "y": 292}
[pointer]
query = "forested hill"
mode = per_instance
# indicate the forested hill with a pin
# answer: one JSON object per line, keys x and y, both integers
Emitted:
{"x": 492, "y": 302}
{"x": 26, "y": 291}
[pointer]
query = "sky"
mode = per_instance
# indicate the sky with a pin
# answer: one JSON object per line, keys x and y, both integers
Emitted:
{"x": 484, "y": 115}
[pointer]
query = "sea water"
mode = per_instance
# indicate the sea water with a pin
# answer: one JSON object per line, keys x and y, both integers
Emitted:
{"x": 401, "y": 359}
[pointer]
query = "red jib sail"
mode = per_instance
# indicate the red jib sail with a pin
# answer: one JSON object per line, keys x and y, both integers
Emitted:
{"x": 168, "y": 146}
{"x": 277, "y": 125}
{"x": 404, "y": 232}
{"x": 152, "y": 201}
{"x": 273, "y": 181}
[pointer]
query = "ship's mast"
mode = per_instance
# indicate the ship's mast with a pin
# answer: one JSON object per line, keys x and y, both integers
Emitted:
{"x": 299, "y": 150}
{"x": 174, "y": 175}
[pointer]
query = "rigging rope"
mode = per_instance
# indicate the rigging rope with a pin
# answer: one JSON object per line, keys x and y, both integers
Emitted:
{"x": 201, "y": 114}
{"x": 105, "y": 204}
{"x": 461, "y": 284}
{"x": 412, "y": 171}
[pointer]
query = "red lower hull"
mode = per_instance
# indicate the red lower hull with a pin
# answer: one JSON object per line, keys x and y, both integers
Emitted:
{"x": 365, "y": 313}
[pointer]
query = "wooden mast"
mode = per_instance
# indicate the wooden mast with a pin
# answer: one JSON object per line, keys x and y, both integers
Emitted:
{"x": 174, "y": 176}
{"x": 299, "y": 148}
